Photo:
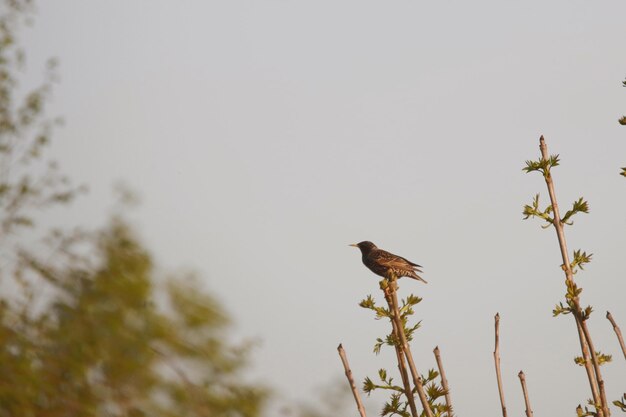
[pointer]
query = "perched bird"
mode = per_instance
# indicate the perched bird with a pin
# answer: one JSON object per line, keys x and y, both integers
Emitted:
{"x": 382, "y": 262}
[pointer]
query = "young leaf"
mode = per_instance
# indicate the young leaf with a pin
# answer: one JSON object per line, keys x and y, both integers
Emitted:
{"x": 579, "y": 206}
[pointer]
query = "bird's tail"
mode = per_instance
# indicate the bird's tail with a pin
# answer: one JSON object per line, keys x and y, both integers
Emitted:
{"x": 417, "y": 277}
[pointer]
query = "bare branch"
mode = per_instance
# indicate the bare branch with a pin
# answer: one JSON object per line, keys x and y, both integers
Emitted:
{"x": 444, "y": 381}
{"x": 496, "y": 358}
{"x": 618, "y": 332}
{"x": 355, "y": 392}
{"x": 522, "y": 379}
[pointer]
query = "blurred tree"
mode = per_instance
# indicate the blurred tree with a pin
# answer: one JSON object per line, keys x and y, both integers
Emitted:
{"x": 332, "y": 399}
{"x": 27, "y": 182}
{"x": 106, "y": 347}
{"x": 104, "y": 337}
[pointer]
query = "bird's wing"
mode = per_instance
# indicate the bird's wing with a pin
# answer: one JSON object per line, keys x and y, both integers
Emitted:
{"x": 390, "y": 260}
{"x": 416, "y": 265}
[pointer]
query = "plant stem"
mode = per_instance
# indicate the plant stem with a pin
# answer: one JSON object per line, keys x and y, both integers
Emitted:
{"x": 496, "y": 358}
{"x": 390, "y": 295}
{"x": 355, "y": 392}
{"x": 444, "y": 380}
{"x": 522, "y": 379}
{"x": 589, "y": 354}
{"x": 403, "y": 372}
{"x": 618, "y": 332}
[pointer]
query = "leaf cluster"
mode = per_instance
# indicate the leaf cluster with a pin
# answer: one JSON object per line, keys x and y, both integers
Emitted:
{"x": 579, "y": 206}
{"x": 542, "y": 165}
{"x": 533, "y": 210}
{"x": 434, "y": 392}
{"x": 571, "y": 297}
{"x": 573, "y": 292}
{"x": 561, "y": 309}
{"x": 406, "y": 310}
{"x": 580, "y": 412}
{"x": 385, "y": 383}
{"x": 602, "y": 359}
{"x": 621, "y": 403}
{"x": 396, "y": 405}
{"x": 580, "y": 260}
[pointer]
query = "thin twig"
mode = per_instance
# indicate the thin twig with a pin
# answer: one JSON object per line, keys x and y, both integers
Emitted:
{"x": 355, "y": 391}
{"x": 589, "y": 354}
{"x": 444, "y": 381}
{"x": 496, "y": 358}
{"x": 522, "y": 379}
{"x": 618, "y": 332}
{"x": 390, "y": 295}
{"x": 408, "y": 391}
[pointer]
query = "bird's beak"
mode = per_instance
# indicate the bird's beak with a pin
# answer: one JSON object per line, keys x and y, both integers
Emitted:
{"x": 354, "y": 244}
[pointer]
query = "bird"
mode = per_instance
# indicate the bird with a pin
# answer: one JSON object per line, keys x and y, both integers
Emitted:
{"x": 382, "y": 262}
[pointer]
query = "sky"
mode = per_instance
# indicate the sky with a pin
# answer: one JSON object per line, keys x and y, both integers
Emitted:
{"x": 265, "y": 136}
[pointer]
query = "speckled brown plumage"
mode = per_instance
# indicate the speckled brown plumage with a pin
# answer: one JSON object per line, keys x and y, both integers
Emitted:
{"x": 382, "y": 262}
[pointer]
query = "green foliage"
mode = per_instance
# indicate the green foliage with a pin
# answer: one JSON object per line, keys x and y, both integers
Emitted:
{"x": 406, "y": 310}
{"x": 602, "y": 359}
{"x": 572, "y": 290}
{"x": 395, "y": 406}
{"x": 586, "y": 313}
{"x": 106, "y": 347}
{"x": 621, "y": 403}
{"x": 579, "y": 206}
{"x": 542, "y": 165}
{"x": 398, "y": 404}
{"x": 386, "y": 383}
{"x": 561, "y": 309}
{"x": 580, "y": 412}
{"x": 434, "y": 392}
{"x": 534, "y": 211}
{"x": 580, "y": 259}
{"x": 27, "y": 181}
{"x": 106, "y": 338}
{"x": 370, "y": 304}
{"x": 408, "y": 304}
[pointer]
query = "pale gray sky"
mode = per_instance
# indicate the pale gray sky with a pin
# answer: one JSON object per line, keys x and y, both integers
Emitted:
{"x": 265, "y": 136}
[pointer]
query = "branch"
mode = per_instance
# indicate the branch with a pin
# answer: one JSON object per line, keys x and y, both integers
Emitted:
{"x": 355, "y": 392}
{"x": 522, "y": 379}
{"x": 496, "y": 358}
{"x": 618, "y": 332}
{"x": 403, "y": 372}
{"x": 589, "y": 353}
{"x": 389, "y": 289}
{"x": 444, "y": 381}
